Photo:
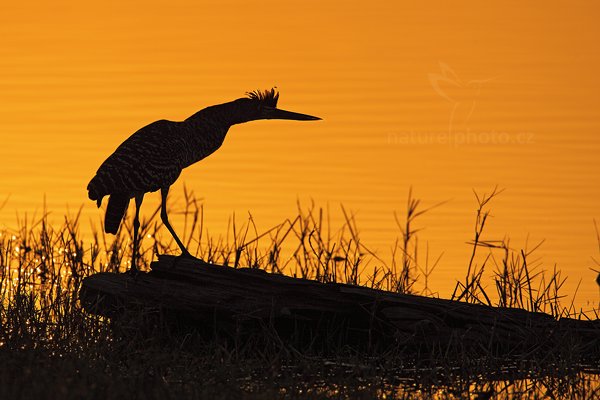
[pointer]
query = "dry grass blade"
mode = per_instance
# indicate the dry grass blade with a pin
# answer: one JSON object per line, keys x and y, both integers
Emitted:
{"x": 51, "y": 348}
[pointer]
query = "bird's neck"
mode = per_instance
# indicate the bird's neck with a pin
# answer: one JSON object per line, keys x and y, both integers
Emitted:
{"x": 206, "y": 130}
{"x": 225, "y": 115}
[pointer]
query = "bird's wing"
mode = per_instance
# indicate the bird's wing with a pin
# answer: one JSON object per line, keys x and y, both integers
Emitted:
{"x": 145, "y": 162}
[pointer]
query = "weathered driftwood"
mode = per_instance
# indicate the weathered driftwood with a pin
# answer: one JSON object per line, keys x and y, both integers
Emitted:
{"x": 229, "y": 301}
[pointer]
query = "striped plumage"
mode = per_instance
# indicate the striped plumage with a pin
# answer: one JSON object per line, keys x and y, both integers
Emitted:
{"x": 154, "y": 156}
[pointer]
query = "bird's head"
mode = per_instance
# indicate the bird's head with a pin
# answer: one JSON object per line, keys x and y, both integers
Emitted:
{"x": 263, "y": 105}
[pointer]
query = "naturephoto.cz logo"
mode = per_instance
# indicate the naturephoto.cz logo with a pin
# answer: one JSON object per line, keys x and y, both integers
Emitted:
{"x": 462, "y": 97}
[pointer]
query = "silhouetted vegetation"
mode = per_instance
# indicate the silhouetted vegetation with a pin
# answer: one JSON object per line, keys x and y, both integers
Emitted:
{"x": 51, "y": 348}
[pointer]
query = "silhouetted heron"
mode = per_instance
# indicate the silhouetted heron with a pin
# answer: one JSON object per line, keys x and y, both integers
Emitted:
{"x": 153, "y": 157}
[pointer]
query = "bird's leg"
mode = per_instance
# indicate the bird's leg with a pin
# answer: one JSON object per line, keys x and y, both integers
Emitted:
{"x": 136, "y": 227}
{"x": 165, "y": 219}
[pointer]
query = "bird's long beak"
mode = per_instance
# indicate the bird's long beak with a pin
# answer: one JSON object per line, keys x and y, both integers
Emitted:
{"x": 276, "y": 113}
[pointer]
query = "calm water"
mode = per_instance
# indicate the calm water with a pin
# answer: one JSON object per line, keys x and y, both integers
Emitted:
{"x": 441, "y": 98}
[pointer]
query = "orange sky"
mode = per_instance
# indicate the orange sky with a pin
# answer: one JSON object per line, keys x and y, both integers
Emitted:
{"x": 76, "y": 79}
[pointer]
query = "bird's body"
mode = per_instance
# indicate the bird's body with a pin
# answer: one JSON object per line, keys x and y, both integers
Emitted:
{"x": 150, "y": 159}
{"x": 153, "y": 157}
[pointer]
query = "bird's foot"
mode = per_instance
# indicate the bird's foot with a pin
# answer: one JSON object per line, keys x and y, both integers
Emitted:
{"x": 185, "y": 255}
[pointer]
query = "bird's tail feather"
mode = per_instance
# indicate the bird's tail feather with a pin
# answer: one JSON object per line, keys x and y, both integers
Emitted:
{"x": 115, "y": 210}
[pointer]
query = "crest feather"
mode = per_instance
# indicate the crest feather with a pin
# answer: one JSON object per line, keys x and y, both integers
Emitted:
{"x": 268, "y": 97}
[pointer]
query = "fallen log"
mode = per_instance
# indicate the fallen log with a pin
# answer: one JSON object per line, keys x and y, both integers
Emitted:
{"x": 240, "y": 302}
